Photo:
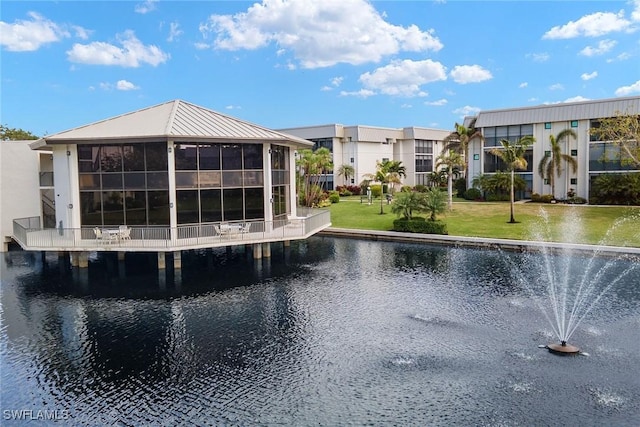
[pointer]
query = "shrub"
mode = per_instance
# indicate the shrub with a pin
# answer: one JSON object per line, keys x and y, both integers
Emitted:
{"x": 376, "y": 190}
{"x": 576, "y": 200}
{"x": 616, "y": 189}
{"x": 546, "y": 198}
{"x": 334, "y": 197}
{"x": 491, "y": 197}
{"x": 405, "y": 189}
{"x": 419, "y": 225}
{"x": 535, "y": 197}
{"x": 473, "y": 194}
{"x": 421, "y": 188}
{"x": 460, "y": 185}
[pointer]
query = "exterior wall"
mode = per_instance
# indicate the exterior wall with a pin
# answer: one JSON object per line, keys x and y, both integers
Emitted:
{"x": 367, "y": 145}
{"x": 66, "y": 186}
{"x": 19, "y": 185}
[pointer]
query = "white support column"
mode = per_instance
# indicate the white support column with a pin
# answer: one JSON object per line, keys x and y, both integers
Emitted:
{"x": 171, "y": 170}
{"x": 257, "y": 251}
{"x": 293, "y": 196}
{"x": 161, "y": 261}
{"x": 266, "y": 250}
{"x": 268, "y": 188}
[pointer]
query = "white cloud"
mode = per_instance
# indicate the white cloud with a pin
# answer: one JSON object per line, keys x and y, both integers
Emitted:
{"x": 622, "y": 57}
{"x": 326, "y": 88}
{"x": 534, "y": 99}
{"x": 538, "y": 57}
{"x": 337, "y": 81}
{"x": 576, "y": 99}
{"x": 25, "y": 36}
{"x": 362, "y": 93}
{"x": 233, "y": 107}
{"x": 81, "y": 33}
{"x": 437, "y": 103}
{"x": 201, "y": 46}
{"x": 593, "y": 25}
{"x": 556, "y": 86}
{"x": 464, "y": 74}
{"x": 628, "y": 90}
{"x": 319, "y": 34}
{"x": 589, "y": 76}
{"x": 523, "y": 85}
{"x": 467, "y": 111}
{"x": 635, "y": 14}
{"x": 123, "y": 85}
{"x": 604, "y": 46}
{"x": 406, "y": 106}
{"x": 174, "y": 31}
{"x": 146, "y": 6}
{"x": 404, "y": 78}
{"x": 132, "y": 53}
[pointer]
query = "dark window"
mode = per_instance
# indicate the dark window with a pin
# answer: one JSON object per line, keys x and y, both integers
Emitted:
{"x": 547, "y": 125}
{"x": 233, "y": 204}
{"x": 231, "y": 157}
{"x": 574, "y": 123}
{"x": 211, "y": 205}
{"x": 187, "y": 206}
{"x": 252, "y": 156}
{"x": 209, "y": 157}
{"x": 574, "y": 152}
{"x": 186, "y": 157}
{"x": 574, "y": 181}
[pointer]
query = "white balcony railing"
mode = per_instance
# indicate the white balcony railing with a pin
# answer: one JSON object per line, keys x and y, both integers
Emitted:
{"x": 29, "y": 234}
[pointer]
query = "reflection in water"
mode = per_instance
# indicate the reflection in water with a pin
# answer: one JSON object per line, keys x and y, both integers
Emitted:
{"x": 328, "y": 331}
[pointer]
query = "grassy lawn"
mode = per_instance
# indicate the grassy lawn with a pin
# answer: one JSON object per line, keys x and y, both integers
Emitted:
{"x": 595, "y": 224}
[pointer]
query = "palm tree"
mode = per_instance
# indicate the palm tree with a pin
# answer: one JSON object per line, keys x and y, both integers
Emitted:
{"x": 449, "y": 160}
{"x": 396, "y": 172}
{"x": 346, "y": 171}
{"x": 459, "y": 141}
{"x": 382, "y": 175}
{"x": 512, "y": 154}
{"x": 312, "y": 165}
{"x": 550, "y": 166}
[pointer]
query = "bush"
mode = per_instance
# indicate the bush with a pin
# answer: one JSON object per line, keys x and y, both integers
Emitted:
{"x": 576, "y": 200}
{"x": 535, "y": 197}
{"x": 616, "y": 189}
{"x": 460, "y": 185}
{"x": 376, "y": 190}
{"x": 491, "y": 197}
{"x": 419, "y": 225}
{"x": 546, "y": 198}
{"x": 421, "y": 188}
{"x": 334, "y": 197}
{"x": 473, "y": 194}
{"x": 405, "y": 189}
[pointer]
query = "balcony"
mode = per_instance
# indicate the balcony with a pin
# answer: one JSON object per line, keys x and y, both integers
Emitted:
{"x": 29, "y": 234}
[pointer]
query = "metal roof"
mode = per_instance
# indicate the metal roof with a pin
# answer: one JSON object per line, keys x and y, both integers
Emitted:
{"x": 567, "y": 111}
{"x": 173, "y": 120}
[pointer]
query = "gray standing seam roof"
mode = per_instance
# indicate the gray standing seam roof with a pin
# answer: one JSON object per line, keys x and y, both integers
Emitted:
{"x": 175, "y": 119}
{"x": 559, "y": 112}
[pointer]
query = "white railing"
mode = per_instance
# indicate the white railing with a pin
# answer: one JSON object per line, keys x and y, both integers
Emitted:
{"x": 29, "y": 233}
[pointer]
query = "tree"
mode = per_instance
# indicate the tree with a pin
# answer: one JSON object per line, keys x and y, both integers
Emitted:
{"x": 396, "y": 171}
{"x": 449, "y": 161}
{"x": 551, "y": 166}
{"x": 406, "y": 203}
{"x": 13, "y": 134}
{"x": 459, "y": 141}
{"x": 622, "y": 130}
{"x": 312, "y": 165}
{"x": 382, "y": 176}
{"x": 435, "y": 202}
{"x": 346, "y": 171}
{"x": 512, "y": 154}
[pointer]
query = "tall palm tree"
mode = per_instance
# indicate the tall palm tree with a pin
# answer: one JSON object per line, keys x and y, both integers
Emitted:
{"x": 396, "y": 172}
{"x": 346, "y": 171}
{"x": 512, "y": 154}
{"x": 449, "y": 160}
{"x": 459, "y": 141}
{"x": 382, "y": 175}
{"x": 312, "y": 165}
{"x": 551, "y": 166}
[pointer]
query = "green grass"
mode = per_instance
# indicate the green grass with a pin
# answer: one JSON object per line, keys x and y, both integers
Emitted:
{"x": 596, "y": 224}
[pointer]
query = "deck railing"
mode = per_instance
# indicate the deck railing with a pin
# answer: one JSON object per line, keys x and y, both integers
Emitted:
{"x": 29, "y": 233}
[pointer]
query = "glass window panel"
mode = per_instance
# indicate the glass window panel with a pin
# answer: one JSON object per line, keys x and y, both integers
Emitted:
{"x": 158, "y": 210}
{"x": 210, "y": 179}
{"x": 233, "y": 204}
{"x": 253, "y": 178}
{"x": 489, "y": 132}
{"x": 209, "y": 157}
{"x": 547, "y": 125}
{"x": 231, "y": 157}
{"x": 156, "y": 156}
{"x": 514, "y": 131}
{"x": 232, "y": 179}
{"x": 113, "y": 207}
{"x": 186, "y": 179}
{"x": 157, "y": 180}
{"x": 134, "y": 180}
{"x": 574, "y": 123}
{"x": 88, "y": 158}
{"x": 254, "y": 202}
{"x": 111, "y": 158}
{"x": 133, "y": 157}
{"x": 211, "y": 205}
{"x": 89, "y": 181}
{"x": 502, "y": 132}
{"x": 135, "y": 203}
{"x": 252, "y": 156}
{"x": 90, "y": 208}
{"x": 278, "y": 158}
{"x": 187, "y": 206}
{"x": 186, "y": 157}
{"x": 112, "y": 181}
{"x": 596, "y": 157}
{"x": 526, "y": 130}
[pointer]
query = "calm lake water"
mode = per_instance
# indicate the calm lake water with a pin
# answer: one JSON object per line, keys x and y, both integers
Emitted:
{"x": 327, "y": 332}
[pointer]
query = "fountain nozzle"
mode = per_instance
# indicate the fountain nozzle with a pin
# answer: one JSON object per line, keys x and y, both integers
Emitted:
{"x": 563, "y": 343}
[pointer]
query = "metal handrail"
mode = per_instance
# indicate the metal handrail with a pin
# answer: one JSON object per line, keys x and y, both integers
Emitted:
{"x": 29, "y": 233}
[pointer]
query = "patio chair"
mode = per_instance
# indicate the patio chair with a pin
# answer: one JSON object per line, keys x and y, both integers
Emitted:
{"x": 125, "y": 232}
{"x": 245, "y": 228}
{"x": 98, "y": 233}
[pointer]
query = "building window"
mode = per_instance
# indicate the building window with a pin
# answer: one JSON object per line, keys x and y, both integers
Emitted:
{"x": 546, "y": 181}
{"x": 574, "y": 152}
{"x": 476, "y": 157}
{"x": 547, "y": 125}
{"x": 547, "y": 153}
{"x": 424, "y": 146}
{"x": 385, "y": 159}
{"x": 493, "y": 135}
{"x": 574, "y": 123}
{"x": 351, "y": 160}
{"x": 574, "y": 181}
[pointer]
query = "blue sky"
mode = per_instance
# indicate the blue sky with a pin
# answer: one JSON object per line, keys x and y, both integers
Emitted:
{"x": 289, "y": 63}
